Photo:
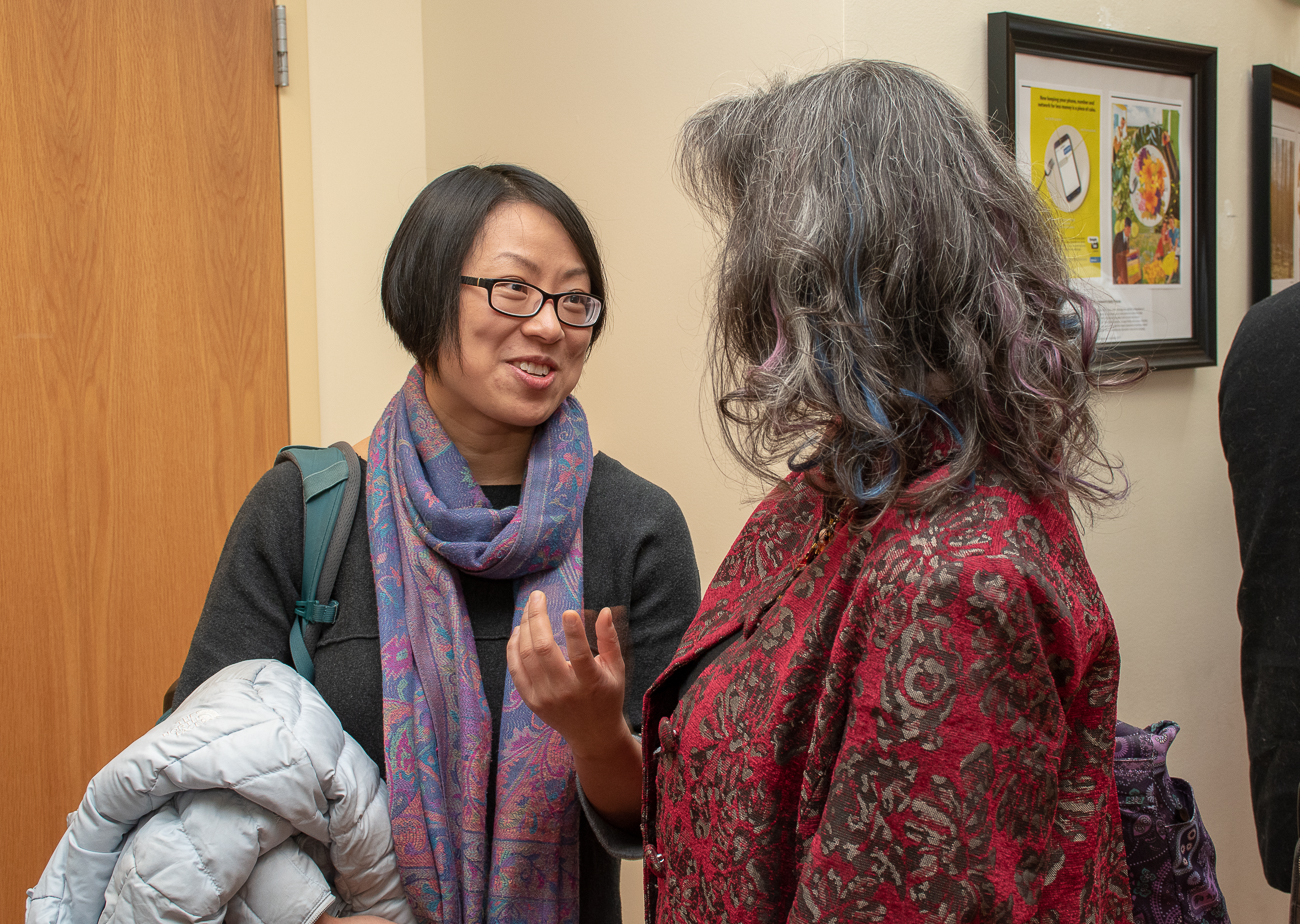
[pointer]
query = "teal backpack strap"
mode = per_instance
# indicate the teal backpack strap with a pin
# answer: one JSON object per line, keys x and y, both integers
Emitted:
{"x": 331, "y": 484}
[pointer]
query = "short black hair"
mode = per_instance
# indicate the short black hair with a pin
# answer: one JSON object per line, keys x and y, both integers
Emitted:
{"x": 420, "y": 290}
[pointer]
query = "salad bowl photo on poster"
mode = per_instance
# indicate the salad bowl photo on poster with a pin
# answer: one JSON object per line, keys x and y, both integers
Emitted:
{"x": 1117, "y": 134}
{"x": 1149, "y": 185}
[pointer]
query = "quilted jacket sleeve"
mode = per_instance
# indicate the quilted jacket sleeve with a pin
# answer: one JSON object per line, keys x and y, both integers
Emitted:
{"x": 173, "y": 828}
{"x": 285, "y": 887}
{"x": 210, "y": 852}
{"x": 361, "y": 839}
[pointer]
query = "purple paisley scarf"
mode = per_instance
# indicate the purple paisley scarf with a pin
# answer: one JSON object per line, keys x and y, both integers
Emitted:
{"x": 428, "y": 519}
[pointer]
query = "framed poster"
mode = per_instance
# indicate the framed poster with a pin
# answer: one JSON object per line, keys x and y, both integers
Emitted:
{"x": 1117, "y": 134}
{"x": 1274, "y": 180}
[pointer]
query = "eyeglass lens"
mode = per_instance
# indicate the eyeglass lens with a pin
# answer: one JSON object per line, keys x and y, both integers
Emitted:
{"x": 521, "y": 299}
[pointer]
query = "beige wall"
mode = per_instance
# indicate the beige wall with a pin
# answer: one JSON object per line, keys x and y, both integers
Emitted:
{"x": 299, "y": 236}
{"x": 593, "y": 101}
{"x": 366, "y": 72}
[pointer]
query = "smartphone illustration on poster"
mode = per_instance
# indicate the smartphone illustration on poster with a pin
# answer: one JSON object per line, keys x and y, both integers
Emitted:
{"x": 1067, "y": 169}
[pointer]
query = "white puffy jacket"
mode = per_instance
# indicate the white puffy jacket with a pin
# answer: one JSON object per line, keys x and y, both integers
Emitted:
{"x": 217, "y": 813}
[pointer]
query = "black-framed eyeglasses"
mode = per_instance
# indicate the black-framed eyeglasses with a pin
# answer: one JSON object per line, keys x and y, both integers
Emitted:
{"x": 523, "y": 300}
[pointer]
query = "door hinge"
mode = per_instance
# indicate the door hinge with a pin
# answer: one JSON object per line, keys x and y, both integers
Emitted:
{"x": 281, "y": 48}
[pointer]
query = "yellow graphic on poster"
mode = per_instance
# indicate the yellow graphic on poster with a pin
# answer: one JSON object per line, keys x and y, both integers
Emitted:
{"x": 1064, "y": 133}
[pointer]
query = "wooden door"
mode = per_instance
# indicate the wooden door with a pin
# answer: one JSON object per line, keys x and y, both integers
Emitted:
{"x": 142, "y": 367}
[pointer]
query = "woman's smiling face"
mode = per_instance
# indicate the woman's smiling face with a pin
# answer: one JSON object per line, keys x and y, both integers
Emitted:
{"x": 512, "y": 373}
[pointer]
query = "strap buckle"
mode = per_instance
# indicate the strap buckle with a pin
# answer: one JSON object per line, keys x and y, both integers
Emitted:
{"x": 311, "y": 611}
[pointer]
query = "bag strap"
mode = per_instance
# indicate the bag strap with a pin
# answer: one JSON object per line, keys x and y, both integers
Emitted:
{"x": 331, "y": 484}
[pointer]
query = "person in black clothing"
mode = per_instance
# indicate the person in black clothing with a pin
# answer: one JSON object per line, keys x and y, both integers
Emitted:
{"x": 467, "y": 287}
{"x": 1259, "y": 423}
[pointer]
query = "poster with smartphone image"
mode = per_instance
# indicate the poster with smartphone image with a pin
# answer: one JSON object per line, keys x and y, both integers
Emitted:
{"x": 1064, "y": 146}
{"x": 1116, "y": 134}
{"x": 1107, "y": 150}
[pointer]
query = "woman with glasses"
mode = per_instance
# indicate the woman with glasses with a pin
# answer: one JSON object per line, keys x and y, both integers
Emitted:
{"x": 482, "y": 492}
{"x": 897, "y": 701}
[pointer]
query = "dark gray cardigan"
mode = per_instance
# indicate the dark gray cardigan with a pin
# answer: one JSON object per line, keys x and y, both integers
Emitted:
{"x": 637, "y": 554}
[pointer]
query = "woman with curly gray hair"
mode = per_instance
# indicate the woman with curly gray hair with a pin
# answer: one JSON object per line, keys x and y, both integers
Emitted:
{"x": 897, "y": 700}
{"x": 898, "y": 697}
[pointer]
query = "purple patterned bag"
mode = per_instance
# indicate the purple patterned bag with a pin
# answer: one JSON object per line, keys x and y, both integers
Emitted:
{"x": 1170, "y": 855}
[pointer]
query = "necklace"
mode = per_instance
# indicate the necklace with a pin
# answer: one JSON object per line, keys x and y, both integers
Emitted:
{"x": 823, "y": 538}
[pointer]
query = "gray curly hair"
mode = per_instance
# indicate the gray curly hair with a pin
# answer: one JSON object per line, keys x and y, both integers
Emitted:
{"x": 887, "y": 281}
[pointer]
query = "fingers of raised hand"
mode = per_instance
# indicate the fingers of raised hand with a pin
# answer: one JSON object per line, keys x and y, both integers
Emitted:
{"x": 611, "y": 653}
{"x": 535, "y": 661}
{"x": 514, "y": 664}
{"x": 585, "y": 668}
{"x": 537, "y": 639}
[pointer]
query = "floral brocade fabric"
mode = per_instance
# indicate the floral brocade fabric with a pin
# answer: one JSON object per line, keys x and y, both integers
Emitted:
{"x": 916, "y": 726}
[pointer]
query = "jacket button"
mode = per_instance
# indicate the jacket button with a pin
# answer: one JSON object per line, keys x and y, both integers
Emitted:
{"x": 667, "y": 736}
{"x": 654, "y": 860}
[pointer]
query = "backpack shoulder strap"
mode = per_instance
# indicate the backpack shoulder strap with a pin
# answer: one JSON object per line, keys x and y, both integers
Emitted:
{"x": 331, "y": 484}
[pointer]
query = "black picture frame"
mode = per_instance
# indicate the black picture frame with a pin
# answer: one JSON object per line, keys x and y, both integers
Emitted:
{"x": 1010, "y": 34}
{"x": 1268, "y": 84}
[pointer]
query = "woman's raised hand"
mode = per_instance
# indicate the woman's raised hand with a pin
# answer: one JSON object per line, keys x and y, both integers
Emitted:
{"x": 581, "y": 698}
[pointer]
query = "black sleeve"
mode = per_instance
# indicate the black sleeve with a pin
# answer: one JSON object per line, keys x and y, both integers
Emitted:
{"x": 639, "y": 559}
{"x": 640, "y": 556}
{"x": 247, "y": 611}
{"x": 1259, "y": 422}
{"x": 665, "y": 597}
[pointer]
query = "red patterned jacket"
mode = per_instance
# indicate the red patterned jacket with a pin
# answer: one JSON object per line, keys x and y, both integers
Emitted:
{"x": 916, "y": 726}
